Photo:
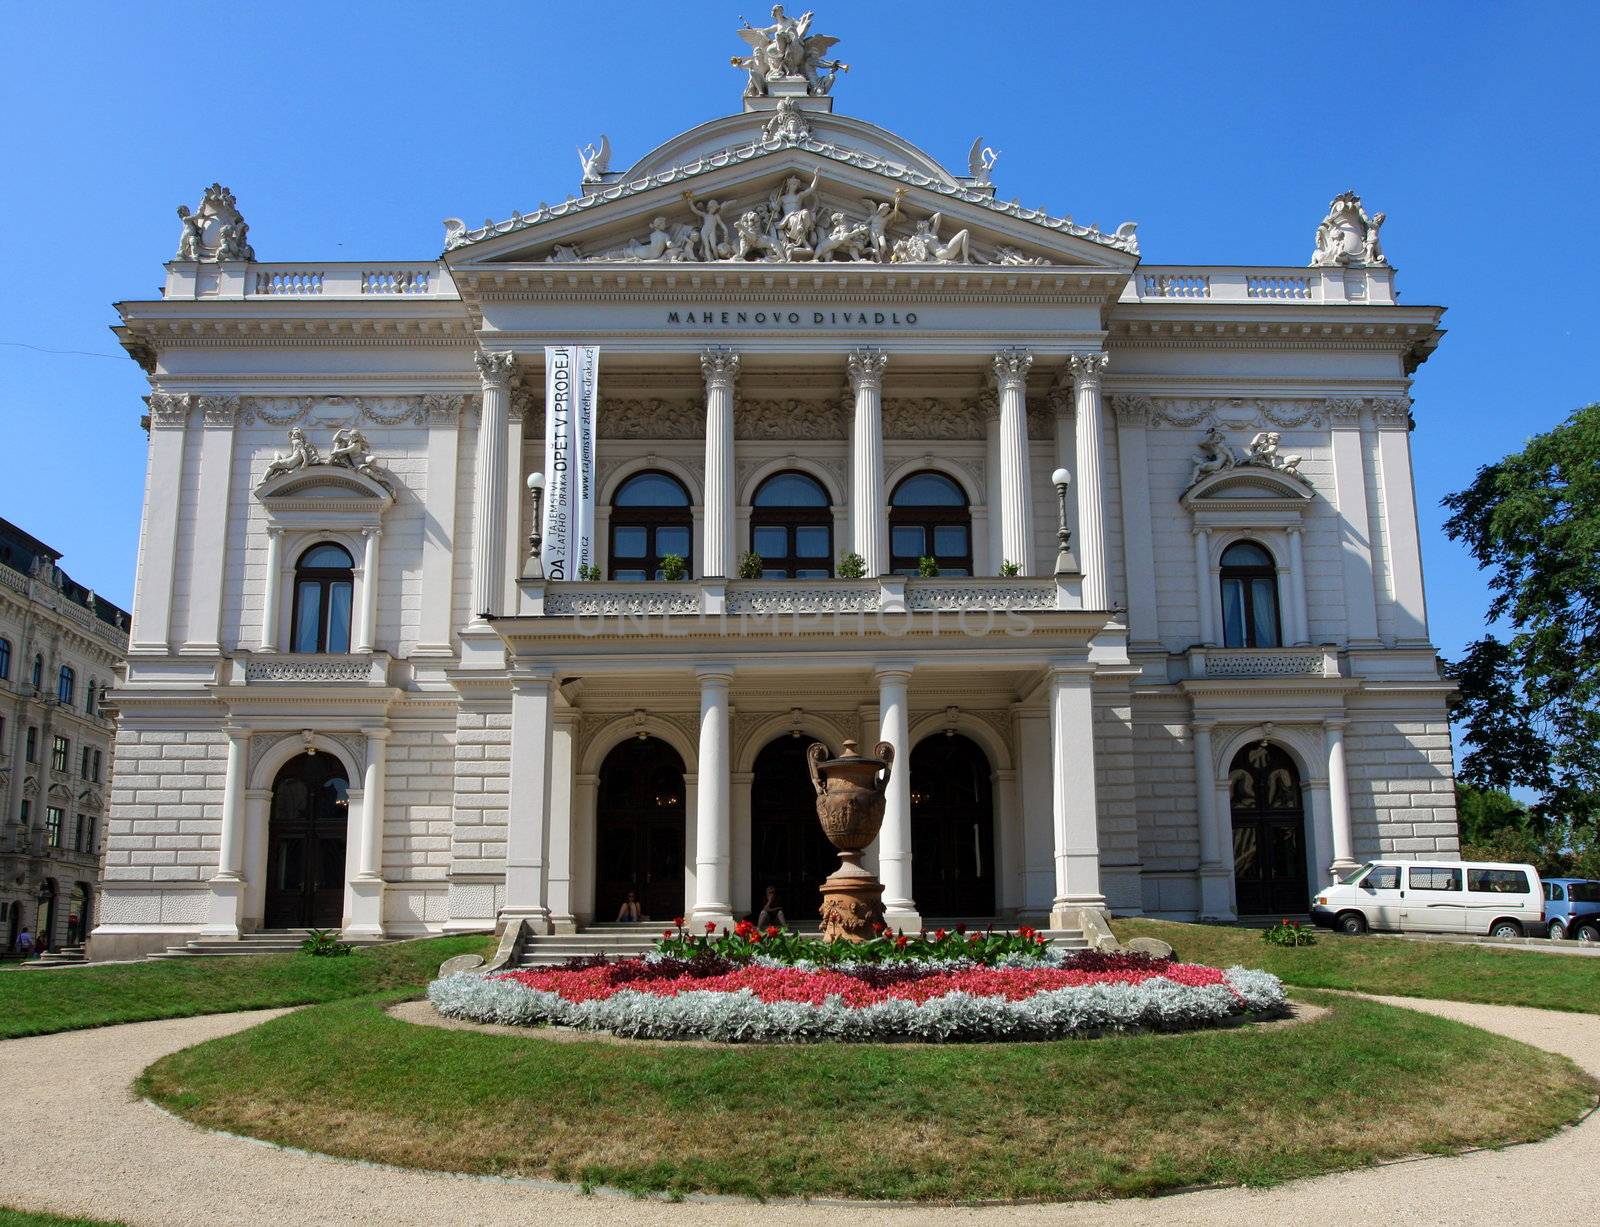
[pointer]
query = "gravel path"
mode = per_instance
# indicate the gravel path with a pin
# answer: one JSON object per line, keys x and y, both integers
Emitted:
{"x": 109, "y": 1155}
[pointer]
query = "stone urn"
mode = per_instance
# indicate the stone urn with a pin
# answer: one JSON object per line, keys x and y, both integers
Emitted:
{"x": 850, "y": 795}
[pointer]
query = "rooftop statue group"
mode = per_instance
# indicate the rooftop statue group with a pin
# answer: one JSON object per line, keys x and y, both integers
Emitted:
{"x": 786, "y": 51}
{"x": 1348, "y": 236}
{"x": 792, "y": 225}
{"x": 215, "y": 230}
{"x": 349, "y": 450}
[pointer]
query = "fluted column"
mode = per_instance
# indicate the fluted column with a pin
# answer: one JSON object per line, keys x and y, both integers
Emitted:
{"x": 869, "y": 527}
{"x": 1086, "y": 371}
{"x": 1338, "y": 799}
{"x": 227, "y": 887}
{"x": 273, "y": 591}
{"x": 489, "y": 494}
{"x": 894, "y": 837}
{"x": 367, "y": 633}
{"x": 721, "y": 370}
{"x": 1016, "y": 502}
{"x": 713, "y": 820}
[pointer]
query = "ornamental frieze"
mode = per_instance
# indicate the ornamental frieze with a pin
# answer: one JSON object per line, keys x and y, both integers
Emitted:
{"x": 1237, "y": 412}
{"x": 789, "y": 419}
{"x": 650, "y": 418}
{"x": 350, "y": 410}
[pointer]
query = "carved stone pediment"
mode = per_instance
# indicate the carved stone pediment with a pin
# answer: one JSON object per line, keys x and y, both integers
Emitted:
{"x": 1251, "y": 484}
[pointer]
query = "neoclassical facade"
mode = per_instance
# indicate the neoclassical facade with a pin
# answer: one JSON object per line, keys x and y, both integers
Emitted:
{"x": 1123, "y": 560}
{"x": 60, "y": 648}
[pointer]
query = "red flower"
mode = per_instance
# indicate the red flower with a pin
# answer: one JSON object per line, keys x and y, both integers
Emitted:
{"x": 961, "y": 928}
{"x": 975, "y": 937}
{"x": 711, "y": 926}
{"x": 772, "y": 930}
{"x": 900, "y": 942}
{"x": 1025, "y": 931}
{"x": 744, "y": 929}
{"x": 666, "y": 935}
{"x": 938, "y": 935}
{"x": 678, "y": 921}
{"x": 878, "y": 926}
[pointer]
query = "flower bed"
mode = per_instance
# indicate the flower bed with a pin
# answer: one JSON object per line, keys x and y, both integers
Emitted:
{"x": 761, "y": 999}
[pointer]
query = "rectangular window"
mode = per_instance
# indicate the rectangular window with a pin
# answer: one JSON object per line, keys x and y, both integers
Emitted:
{"x": 1383, "y": 877}
{"x": 96, "y": 776}
{"x": 88, "y": 845}
{"x": 26, "y": 810}
{"x": 1584, "y": 892}
{"x": 908, "y": 541}
{"x": 84, "y": 760}
{"x": 339, "y": 616}
{"x": 630, "y": 542}
{"x": 33, "y": 745}
{"x": 1498, "y": 881}
{"x": 66, "y": 682}
{"x": 77, "y": 838}
{"x": 54, "y": 815}
{"x": 1429, "y": 878}
{"x": 672, "y": 539}
{"x": 307, "y": 610}
{"x": 60, "y": 754}
{"x": 771, "y": 541}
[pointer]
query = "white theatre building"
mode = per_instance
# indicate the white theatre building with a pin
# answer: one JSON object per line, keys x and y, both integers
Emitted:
{"x": 357, "y": 696}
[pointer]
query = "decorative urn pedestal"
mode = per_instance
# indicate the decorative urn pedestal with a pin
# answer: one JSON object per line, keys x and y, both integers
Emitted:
{"x": 850, "y": 794}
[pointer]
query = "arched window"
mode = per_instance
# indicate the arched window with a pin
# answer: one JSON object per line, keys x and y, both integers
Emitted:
{"x": 650, "y": 519}
{"x": 791, "y": 527}
{"x": 928, "y": 518}
{"x": 1249, "y": 597}
{"x": 5, "y": 659}
{"x": 324, "y": 580}
{"x": 66, "y": 685}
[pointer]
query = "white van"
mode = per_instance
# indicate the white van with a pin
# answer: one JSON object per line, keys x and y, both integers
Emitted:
{"x": 1435, "y": 897}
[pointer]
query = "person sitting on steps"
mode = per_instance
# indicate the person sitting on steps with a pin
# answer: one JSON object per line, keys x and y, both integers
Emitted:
{"x": 771, "y": 911}
{"x": 630, "y": 911}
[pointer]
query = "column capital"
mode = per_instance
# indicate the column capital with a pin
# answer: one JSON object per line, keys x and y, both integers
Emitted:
{"x": 865, "y": 365}
{"x": 720, "y": 367}
{"x": 236, "y": 732}
{"x": 380, "y": 734}
{"x": 1334, "y": 724}
{"x": 712, "y": 673}
{"x": 1203, "y": 724}
{"x": 523, "y": 676}
{"x": 370, "y": 530}
{"x": 899, "y": 673}
{"x": 169, "y": 408}
{"x": 495, "y": 369}
{"x": 1087, "y": 368}
{"x": 1011, "y": 368}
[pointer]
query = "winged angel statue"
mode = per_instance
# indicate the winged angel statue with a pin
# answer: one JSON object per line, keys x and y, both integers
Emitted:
{"x": 787, "y": 50}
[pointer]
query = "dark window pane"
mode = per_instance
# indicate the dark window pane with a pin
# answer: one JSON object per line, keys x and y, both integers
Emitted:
{"x": 1245, "y": 554}
{"x": 332, "y": 862}
{"x": 630, "y": 576}
{"x": 651, "y": 490}
{"x": 770, "y": 541}
{"x": 950, "y": 540}
{"x": 928, "y": 490}
{"x": 1498, "y": 881}
{"x": 339, "y": 617}
{"x": 790, "y": 490}
{"x": 1233, "y": 635}
{"x": 326, "y": 555}
{"x": 305, "y": 626}
{"x": 944, "y": 570}
{"x": 630, "y": 541}
{"x": 769, "y": 573}
{"x": 1264, "y": 598}
{"x": 908, "y": 541}
{"x": 672, "y": 539}
{"x": 290, "y": 869}
{"x": 811, "y": 541}
{"x": 805, "y": 573}
{"x": 1435, "y": 879}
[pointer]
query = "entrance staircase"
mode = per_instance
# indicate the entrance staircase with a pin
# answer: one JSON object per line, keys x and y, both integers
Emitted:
{"x": 67, "y": 956}
{"x": 264, "y": 941}
{"x": 629, "y": 941}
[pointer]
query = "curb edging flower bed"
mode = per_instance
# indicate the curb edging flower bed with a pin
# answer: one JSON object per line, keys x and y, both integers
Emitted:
{"x": 1153, "y": 1003}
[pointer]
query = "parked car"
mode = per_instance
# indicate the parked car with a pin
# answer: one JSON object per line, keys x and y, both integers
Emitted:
{"x": 1572, "y": 906}
{"x": 1435, "y": 897}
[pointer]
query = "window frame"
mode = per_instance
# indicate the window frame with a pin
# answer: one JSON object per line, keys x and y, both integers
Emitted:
{"x": 1245, "y": 576}
{"x": 30, "y": 752}
{"x": 788, "y": 518}
{"x": 54, "y": 818}
{"x": 325, "y": 579}
{"x": 930, "y": 517}
{"x": 5, "y": 659}
{"x": 652, "y": 519}
{"x": 60, "y": 753}
{"x": 1454, "y": 878}
{"x": 66, "y": 685}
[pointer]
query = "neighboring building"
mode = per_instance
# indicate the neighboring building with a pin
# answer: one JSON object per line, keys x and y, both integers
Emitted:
{"x": 60, "y": 648}
{"x": 345, "y": 705}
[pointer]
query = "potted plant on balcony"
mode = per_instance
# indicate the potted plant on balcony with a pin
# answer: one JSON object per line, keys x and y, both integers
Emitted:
{"x": 588, "y": 573}
{"x": 750, "y": 565}
{"x": 927, "y": 568}
{"x": 1010, "y": 569}
{"x": 852, "y": 566}
{"x": 673, "y": 567}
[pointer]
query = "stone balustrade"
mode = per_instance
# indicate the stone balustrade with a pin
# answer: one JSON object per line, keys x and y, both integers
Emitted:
{"x": 761, "y": 597}
{"x": 310, "y": 669}
{"x": 398, "y": 279}
{"x": 1299, "y": 662}
{"x": 1164, "y": 284}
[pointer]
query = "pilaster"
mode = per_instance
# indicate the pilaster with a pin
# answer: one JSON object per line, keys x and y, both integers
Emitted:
{"x": 489, "y": 501}
{"x": 151, "y": 630}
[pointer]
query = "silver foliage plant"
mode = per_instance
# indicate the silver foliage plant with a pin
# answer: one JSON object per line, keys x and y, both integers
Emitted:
{"x": 1158, "y": 1004}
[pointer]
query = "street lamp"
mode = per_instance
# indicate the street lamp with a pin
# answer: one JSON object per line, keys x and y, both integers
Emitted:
{"x": 535, "y": 565}
{"x": 1064, "y": 564}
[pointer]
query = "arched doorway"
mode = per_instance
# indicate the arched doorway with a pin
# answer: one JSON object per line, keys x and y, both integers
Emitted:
{"x": 306, "y": 844}
{"x": 44, "y": 928}
{"x": 787, "y": 847}
{"x": 952, "y": 827}
{"x": 639, "y": 830}
{"x": 1269, "y": 833}
{"x": 77, "y": 914}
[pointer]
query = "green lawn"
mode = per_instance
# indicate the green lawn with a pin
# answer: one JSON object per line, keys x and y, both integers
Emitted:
{"x": 21, "y": 1218}
{"x": 1389, "y": 966}
{"x": 38, "y": 1002}
{"x": 1110, "y": 1117}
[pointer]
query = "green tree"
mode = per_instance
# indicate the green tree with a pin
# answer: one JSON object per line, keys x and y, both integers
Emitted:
{"x": 1530, "y": 702}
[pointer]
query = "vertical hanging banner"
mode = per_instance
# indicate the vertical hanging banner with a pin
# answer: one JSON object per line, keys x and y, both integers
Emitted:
{"x": 571, "y": 383}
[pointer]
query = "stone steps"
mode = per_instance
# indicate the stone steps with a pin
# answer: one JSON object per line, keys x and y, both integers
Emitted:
{"x": 67, "y": 956}
{"x": 268, "y": 941}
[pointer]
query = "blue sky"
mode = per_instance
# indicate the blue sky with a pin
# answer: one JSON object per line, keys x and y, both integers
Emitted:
{"x": 349, "y": 130}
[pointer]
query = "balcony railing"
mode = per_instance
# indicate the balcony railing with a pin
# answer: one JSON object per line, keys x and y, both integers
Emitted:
{"x": 310, "y": 669}
{"x": 1170, "y": 284}
{"x": 1304, "y": 662}
{"x": 399, "y": 279}
{"x": 762, "y": 597}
